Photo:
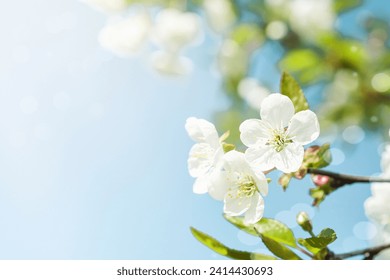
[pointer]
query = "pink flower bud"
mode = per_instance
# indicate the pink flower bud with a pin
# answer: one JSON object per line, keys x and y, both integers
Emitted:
{"x": 321, "y": 180}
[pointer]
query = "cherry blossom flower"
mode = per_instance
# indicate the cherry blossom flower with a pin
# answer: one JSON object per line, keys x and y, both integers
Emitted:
{"x": 175, "y": 29}
{"x": 126, "y": 36}
{"x": 205, "y": 156}
{"x": 310, "y": 18}
{"x": 241, "y": 186}
{"x": 277, "y": 139}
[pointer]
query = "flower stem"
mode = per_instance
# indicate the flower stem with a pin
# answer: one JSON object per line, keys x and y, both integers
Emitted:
{"x": 305, "y": 252}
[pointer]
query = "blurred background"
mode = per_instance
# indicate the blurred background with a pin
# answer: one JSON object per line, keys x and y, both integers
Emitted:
{"x": 94, "y": 96}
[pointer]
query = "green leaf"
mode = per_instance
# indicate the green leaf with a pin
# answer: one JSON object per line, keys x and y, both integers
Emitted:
{"x": 269, "y": 228}
{"x": 290, "y": 88}
{"x": 322, "y": 240}
{"x": 340, "y": 6}
{"x": 221, "y": 249}
{"x": 305, "y": 244}
{"x": 248, "y": 36}
{"x": 298, "y": 60}
{"x": 279, "y": 249}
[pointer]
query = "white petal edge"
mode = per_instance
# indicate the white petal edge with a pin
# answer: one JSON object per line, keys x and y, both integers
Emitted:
{"x": 235, "y": 162}
{"x": 304, "y": 127}
{"x": 234, "y": 206}
{"x": 254, "y": 130}
{"x": 201, "y": 185}
{"x": 278, "y": 110}
{"x": 202, "y": 131}
{"x": 255, "y": 211}
{"x": 201, "y": 158}
{"x": 218, "y": 185}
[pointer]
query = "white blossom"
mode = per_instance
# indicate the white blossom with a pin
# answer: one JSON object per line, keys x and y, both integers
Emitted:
{"x": 252, "y": 92}
{"x": 205, "y": 156}
{"x": 241, "y": 186}
{"x": 377, "y": 206}
{"x": 171, "y": 63}
{"x": 310, "y": 18}
{"x": 175, "y": 29}
{"x": 108, "y": 6}
{"x": 277, "y": 139}
{"x": 220, "y": 14}
{"x": 126, "y": 36}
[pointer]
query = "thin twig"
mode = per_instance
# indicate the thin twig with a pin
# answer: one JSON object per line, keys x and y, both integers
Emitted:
{"x": 344, "y": 179}
{"x": 305, "y": 252}
{"x": 368, "y": 253}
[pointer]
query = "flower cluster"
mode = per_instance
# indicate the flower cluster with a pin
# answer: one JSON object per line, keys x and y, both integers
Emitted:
{"x": 275, "y": 141}
{"x": 307, "y": 18}
{"x": 131, "y": 28}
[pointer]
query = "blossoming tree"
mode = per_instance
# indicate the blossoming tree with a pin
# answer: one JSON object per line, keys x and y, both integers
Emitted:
{"x": 355, "y": 80}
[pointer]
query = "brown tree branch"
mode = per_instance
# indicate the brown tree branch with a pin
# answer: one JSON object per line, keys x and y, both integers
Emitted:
{"x": 368, "y": 253}
{"x": 344, "y": 179}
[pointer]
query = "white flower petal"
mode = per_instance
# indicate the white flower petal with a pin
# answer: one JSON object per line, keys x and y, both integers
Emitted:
{"x": 261, "y": 157}
{"x": 218, "y": 185}
{"x": 234, "y": 204}
{"x": 277, "y": 109}
{"x": 201, "y": 159}
{"x": 290, "y": 158}
{"x": 261, "y": 181}
{"x": 254, "y": 130}
{"x": 175, "y": 29}
{"x": 235, "y": 162}
{"x": 304, "y": 127}
{"x": 201, "y": 185}
{"x": 201, "y": 130}
{"x": 255, "y": 211}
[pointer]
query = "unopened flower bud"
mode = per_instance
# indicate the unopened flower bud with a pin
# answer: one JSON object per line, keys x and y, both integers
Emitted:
{"x": 320, "y": 180}
{"x": 304, "y": 221}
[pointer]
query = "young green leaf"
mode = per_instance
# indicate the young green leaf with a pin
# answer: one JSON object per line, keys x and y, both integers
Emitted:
{"x": 290, "y": 88}
{"x": 279, "y": 249}
{"x": 323, "y": 239}
{"x": 221, "y": 249}
{"x": 269, "y": 228}
{"x": 305, "y": 244}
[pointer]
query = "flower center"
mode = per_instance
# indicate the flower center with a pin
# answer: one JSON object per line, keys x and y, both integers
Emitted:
{"x": 279, "y": 141}
{"x": 246, "y": 187}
